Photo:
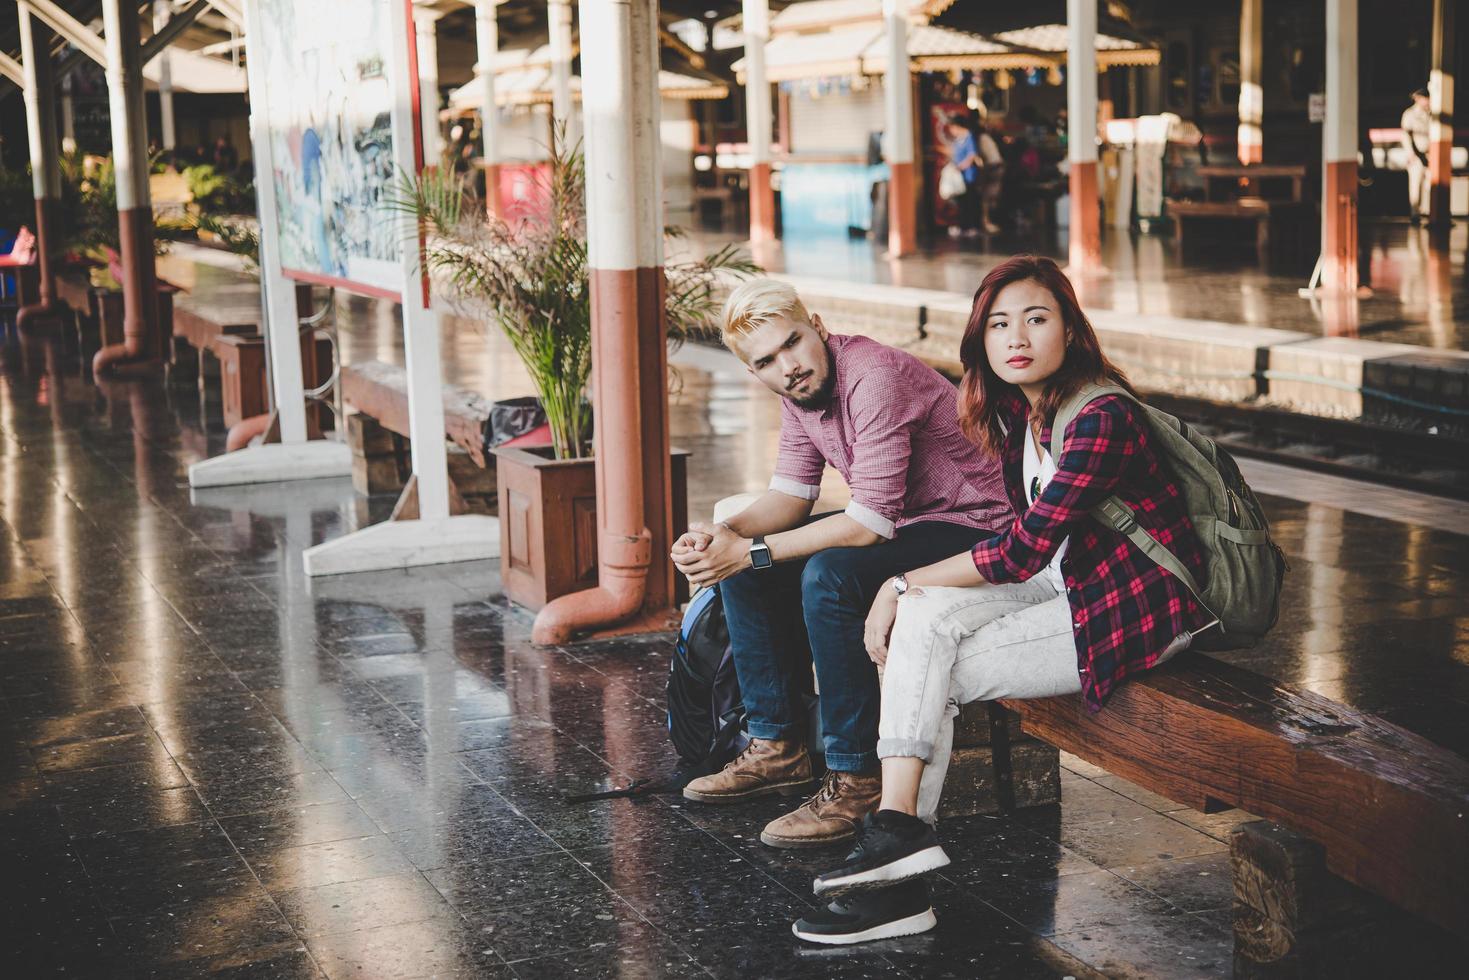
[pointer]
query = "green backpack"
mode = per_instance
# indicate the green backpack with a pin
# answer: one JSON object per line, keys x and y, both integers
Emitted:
{"x": 1245, "y": 568}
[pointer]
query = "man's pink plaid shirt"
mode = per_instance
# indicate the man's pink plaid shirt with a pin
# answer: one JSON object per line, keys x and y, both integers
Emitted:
{"x": 892, "y": 431}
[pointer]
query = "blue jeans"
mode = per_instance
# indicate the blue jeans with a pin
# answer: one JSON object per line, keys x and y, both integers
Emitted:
{"x": 786, "y": 618}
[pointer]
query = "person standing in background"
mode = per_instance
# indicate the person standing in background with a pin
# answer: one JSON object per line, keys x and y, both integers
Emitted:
{"x": 1416, "y": 122}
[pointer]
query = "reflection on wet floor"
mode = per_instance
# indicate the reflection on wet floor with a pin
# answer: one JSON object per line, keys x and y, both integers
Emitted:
{"x": 1418, "y": 279}
{"x": 214, "y": 766}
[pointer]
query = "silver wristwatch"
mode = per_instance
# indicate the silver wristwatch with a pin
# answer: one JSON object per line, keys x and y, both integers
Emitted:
{"x": 900, "y": 585}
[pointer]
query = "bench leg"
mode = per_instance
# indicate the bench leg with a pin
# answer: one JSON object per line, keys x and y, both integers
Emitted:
{"x": 1295, "y": 919}
{"x": 995, "y": 768}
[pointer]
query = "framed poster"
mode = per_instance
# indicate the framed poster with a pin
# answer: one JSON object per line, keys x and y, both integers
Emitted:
{"x": 329, "y": 103}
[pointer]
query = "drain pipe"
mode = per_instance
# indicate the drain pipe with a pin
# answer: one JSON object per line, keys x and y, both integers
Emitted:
{"x": 140, "y": 350}
{"x": 40, "y": 103}
{"x": 625, "y": 251}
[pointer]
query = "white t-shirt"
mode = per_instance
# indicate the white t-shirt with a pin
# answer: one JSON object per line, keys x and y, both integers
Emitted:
{"x": 1038, "y": 470}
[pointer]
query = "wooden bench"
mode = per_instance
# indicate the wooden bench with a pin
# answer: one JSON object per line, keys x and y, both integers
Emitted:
{"x": 1276, "y": 222}
{"x": 378, "y": 436}
{"x": 1383, "y": 809}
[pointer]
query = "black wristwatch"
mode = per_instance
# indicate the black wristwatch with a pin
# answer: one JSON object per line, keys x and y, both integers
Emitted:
{"x": 760, "y": 554}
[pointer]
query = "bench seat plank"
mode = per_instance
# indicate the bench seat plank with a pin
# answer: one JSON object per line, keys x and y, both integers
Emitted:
{"x": 1390, "y": 808}
{"x": 380, "y": 390}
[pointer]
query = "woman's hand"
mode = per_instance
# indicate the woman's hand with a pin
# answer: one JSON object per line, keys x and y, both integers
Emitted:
{"x": 880, "y": 623}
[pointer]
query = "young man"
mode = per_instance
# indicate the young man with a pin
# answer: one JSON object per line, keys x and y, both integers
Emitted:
{"x": 1416, "y": 123}
{"x": 797, "y": 589}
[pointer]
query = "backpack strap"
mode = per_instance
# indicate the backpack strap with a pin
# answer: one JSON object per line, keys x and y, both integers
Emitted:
{"x": 1113, "y": 512}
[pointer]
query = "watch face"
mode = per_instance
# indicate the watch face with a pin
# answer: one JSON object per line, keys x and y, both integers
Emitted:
{"x": 760, "y": 556}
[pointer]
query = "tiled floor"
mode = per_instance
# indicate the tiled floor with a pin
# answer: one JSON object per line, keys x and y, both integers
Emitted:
{"x": 212, "y": 766}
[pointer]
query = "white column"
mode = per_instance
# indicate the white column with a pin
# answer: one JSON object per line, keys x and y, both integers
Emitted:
{"x": 1339, "y": 149}
{"x": 1441, "y": 108}
{"x": 161, "y": 13}
{"x": 125, "y": 102}
{"x": 558, "y": 16}
{"x": 1081, "y": 138}
{"x": 68, "y": 116}
{"x": 898, "y": 129}
{"x": 487, "y": 41}
{"x": 1251, "y": 94}
{"x": 758, "y": 120}
{"x": 40, "y": 123}
{"x": 426, "y": 27}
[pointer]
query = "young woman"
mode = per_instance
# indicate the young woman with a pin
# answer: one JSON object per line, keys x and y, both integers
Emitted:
{"x": 1056, "y": 604}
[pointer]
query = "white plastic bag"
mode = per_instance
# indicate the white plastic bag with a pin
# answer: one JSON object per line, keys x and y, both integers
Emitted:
{"x": 951, "y": 182}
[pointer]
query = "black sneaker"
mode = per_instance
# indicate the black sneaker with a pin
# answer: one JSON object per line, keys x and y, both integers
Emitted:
{"x": 891, "y": 847}
{"x": 902, "y": 910}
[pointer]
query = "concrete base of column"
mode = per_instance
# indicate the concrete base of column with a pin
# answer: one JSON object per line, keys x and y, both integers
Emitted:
{"x": 1086, "y": 219}
{"x": 1440, "y": 173}
{"x": 47, "y": 310}
{"x": 1339, "y": 227}
{"x": 902, "y": 211}
{"x": 762, "y": 205}
{"x": 141, "y": 351}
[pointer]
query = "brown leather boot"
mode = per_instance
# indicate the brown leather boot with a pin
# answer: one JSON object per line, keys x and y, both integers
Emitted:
{"x": 832, "y": 816}
{"x": 765, "y": 768}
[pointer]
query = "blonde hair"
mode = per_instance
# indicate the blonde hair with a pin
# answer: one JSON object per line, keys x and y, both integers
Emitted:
{"x": 753, "y": 304}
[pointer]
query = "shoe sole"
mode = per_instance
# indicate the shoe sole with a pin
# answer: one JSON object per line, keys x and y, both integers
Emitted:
{"x": 795, "y": 843}
{"x": 778, "y": 789}
{"x": 910, "y": 926}
{"x": 915, "y": 864}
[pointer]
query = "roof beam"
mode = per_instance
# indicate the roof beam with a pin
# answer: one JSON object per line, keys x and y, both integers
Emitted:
{"x": 11, "y": 69}
{"x": 176, "y": 25}
{"x": 63, "y": 23}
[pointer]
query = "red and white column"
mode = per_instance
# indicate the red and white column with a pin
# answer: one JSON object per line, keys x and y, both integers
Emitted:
{"x": 142, "y": 348}
{"x": 1250, "y": 138}
{"x": 1081, "y": 135}
{"x": 620, "y": 111}
{"x": 487, "y": 41}
{"x": 898, "y": 98}
{"x": 1441, "y": 107}
{"x": 1339, "y": 150}
{"x": 40, "y": 104}
{"x": 758, "y": 121}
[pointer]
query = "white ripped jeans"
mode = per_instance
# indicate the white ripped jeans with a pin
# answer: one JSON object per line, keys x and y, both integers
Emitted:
{"x": 952, "y": 646}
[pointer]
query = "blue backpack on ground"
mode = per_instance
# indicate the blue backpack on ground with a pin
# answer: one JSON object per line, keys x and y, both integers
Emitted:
{"x": 706, "y": 715}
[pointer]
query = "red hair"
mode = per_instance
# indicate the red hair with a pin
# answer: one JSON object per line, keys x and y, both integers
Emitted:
{"x": 981, "y": 392}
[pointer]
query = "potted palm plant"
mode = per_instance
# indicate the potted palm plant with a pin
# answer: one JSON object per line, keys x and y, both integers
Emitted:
{"x": 527, "y": 272}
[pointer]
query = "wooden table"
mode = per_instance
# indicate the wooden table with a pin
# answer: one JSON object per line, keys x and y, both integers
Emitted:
{"x": 1233, "y": 180}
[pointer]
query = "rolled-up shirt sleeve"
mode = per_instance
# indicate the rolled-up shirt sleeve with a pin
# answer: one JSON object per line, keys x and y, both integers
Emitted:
{"x": 883, "y": 422}
{"x": 798, "y": 463}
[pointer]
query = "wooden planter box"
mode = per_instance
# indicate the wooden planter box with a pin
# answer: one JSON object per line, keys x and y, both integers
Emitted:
{"x": 548, "y": 523}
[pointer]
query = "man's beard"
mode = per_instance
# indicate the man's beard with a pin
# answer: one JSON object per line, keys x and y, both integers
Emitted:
{"x": 821, "y": 397}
